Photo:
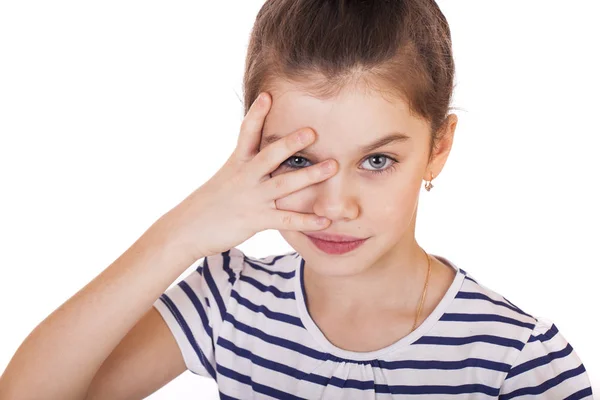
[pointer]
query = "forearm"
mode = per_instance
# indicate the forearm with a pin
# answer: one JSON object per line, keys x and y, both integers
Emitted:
{"x": 60, "y": 357}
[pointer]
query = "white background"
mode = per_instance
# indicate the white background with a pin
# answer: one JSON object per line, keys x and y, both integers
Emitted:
{"x": 112, "y": 112}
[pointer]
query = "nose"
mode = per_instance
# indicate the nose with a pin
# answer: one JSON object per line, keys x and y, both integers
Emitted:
{"x": 336, "y": 199}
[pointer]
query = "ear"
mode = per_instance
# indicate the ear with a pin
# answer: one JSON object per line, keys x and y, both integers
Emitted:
{"x": 441, "y": 151}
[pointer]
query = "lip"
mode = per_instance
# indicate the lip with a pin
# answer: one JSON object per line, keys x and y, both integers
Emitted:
{"x": 330, "y": 247}
{"x": 332, "y": 237}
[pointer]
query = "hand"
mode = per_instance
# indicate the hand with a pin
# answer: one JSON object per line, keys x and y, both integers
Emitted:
{"x": 239, "y": 200}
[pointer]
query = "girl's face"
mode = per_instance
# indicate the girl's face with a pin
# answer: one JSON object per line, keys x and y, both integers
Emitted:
{"x": 374, "y": 193}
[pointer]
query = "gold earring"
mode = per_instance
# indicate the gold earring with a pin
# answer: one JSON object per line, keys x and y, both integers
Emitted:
{"x": 428, "y": 184}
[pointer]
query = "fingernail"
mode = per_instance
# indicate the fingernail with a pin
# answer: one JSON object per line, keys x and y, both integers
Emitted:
{"x": 321, "y": 220}
{"x": 305, "y": 136}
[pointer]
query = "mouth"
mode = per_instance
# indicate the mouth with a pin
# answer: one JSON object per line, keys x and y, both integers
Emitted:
{"x": 342, "y": 244}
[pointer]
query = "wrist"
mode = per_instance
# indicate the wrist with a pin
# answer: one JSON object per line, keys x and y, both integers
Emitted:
{"x": 161, "y": 235}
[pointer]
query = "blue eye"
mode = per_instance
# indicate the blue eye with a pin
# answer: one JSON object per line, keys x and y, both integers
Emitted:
{"x": 289, "y": 163}
{"x": 384, "y": 158}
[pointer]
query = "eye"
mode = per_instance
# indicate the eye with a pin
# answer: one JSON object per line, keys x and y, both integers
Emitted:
{"x": 377, "y": 160}
{"x": 294, "y": 159}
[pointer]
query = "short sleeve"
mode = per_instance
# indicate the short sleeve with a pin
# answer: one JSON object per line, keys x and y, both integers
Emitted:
{"x": 194, "y": 308}
{"x": 547, "y": 367}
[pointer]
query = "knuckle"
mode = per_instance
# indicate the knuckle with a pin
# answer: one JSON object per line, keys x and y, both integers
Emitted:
{"x": 279, "y": 182}
{"x": 274, "y": 156}
{"x": 286, "y": 220}
{"x": 263, "y": 157}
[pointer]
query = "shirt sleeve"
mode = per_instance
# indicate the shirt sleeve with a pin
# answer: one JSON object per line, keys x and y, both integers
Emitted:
{"x": 547, "y": 367}
{"x": 194, "y": 309}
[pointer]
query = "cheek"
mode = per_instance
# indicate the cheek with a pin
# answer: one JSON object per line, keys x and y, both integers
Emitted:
{"x": 392, "y": 206}
{"x": 395, "y": 207}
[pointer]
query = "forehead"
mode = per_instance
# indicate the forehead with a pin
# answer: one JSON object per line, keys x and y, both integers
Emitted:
{"x": 354, "y": 116}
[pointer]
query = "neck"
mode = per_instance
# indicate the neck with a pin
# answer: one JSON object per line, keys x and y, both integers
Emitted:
{"x": 393, "y": 282}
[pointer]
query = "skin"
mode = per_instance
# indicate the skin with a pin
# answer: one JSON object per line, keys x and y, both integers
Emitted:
{"x": 388, "y": 271}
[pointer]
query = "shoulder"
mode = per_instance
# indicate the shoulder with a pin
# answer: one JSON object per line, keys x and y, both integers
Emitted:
{"x": 541, "y": 360}
{"x": 484, "y": 321}
{"x": 477, "y": 309}
{"x": 234, "y": 265}
{"x": 482, "y": 299}
{"x": 547, "y": 365}
{"x": 222, "y": 268}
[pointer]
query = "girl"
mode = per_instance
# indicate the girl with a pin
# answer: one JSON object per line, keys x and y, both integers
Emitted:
{"x": 346, "y": 113}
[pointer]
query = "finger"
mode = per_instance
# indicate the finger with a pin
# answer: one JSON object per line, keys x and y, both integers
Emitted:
{"x": 251, "y": 127}
{"x": 271, "y": 156}
{"x": 295, "y": 221}
{"x": 289, "y": 182}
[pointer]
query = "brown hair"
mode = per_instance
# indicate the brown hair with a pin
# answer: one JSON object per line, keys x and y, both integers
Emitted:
{"x": 398, "y": 46}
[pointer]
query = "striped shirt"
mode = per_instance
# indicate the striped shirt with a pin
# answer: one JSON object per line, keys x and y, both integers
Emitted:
{"x": 243, "y": 321}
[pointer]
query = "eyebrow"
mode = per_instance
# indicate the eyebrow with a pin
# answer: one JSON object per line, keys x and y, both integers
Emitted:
{"x": 395, "y": 137}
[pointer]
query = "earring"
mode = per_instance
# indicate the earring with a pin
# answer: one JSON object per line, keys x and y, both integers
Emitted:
{"x": 428, "y": 184}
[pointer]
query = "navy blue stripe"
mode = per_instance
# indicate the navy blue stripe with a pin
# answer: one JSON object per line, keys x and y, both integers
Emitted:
{"x": 272, "y": 262}
{"x": 461, "y": 317}
{"x": 285, "y": 275}
{"x": 542, "y": 388}
{"x": 445, "y": 365}
{"x": 263, "y": 362}
{"x": 227, "y": 266}
{"x": 257, "y": 387}
{"x": 537, "y": 362}
{"x": 275, "y": 340}
{"x": 458, "y": 341}
{"x": 302, "y": 284}
{"x": 263, "y": 288}
{"x": 543, "y": 337}
{"x": 471, "y": 279}
{"x": 188, "y": 333}
{"x": 213, "y": 288}
{"x": 198, "y": 306}
{"x": 580, "y": 394}
{"x": 278, "y": 316}
{"x": 481, "y": 296}
{"x": 437, "y": 389}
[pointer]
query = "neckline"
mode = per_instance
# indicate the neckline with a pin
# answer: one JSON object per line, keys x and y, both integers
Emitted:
{"x": 404, "y": 342}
